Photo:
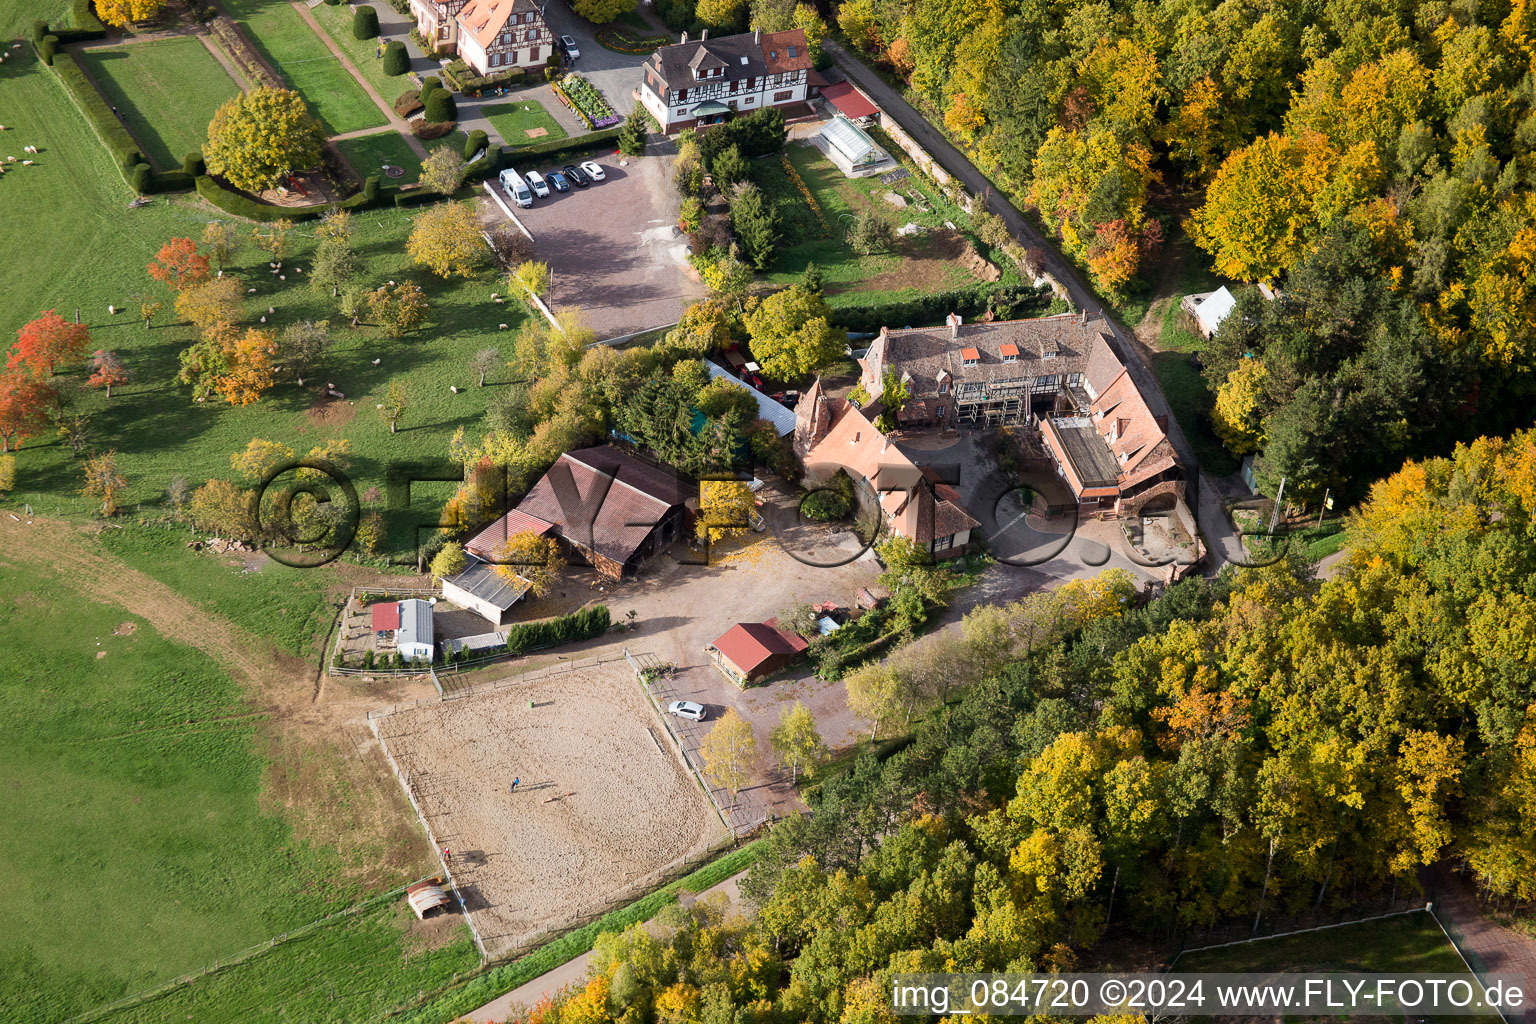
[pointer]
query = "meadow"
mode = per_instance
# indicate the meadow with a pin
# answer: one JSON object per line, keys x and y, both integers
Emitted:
{"x": 167, "y": 91}
{"x": 134, "y": 789}
{"x": 308, "y": 65}
{"x": 337, "y": 23}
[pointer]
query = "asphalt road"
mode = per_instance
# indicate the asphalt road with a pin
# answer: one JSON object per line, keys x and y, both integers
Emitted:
{"x": 1220, "y": 536}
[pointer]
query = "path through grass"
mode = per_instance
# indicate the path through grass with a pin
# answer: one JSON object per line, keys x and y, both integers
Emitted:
{"x": 288, "y": 42}
{"x": 167, "y": 91}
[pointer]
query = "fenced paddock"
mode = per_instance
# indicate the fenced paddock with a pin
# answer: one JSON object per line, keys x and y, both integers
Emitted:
{"x": 604, "y": 810}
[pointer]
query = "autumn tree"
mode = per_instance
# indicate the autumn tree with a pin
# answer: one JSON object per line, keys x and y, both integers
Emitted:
{"x": 221, "y": 242}
{"x": 483, "y": 362}
{"x": 874, "y": 694}
{"x": 24, "y": 404}
{"x": 104, "y": 482}
{"x": 601, "y": 12}
{"x": 396, "y": 401}
{"x": 259, "y": 138}
{"x": 530, "y": 277}
{"x": 75, "y": 430}
{"x": 122, "y": 13}
{"x": 791, "y": 335}
{"x": 302, "y": 345}
{"x": 449, "y": 560}
{"x": 259, "y": 458}
{"x": 531, "y": 559}
{"x": 274, "y": 240}
{"x": 1237, "y": 414}
{"x": 148, "y": 310}
{"x": 42, "y": 345}
{"x": 796, "y": 742}
{"x": 399, "y": 309}
{"x": 108, "y": 371}
{"x": 446, "y": 240}
{"x": 729, "y": 750}
{"x": 334, "y": 263}
{"x": 179, "y": 266}
{"x": 214, "y": 307}
{"x": 725, "y": 509}
{"x": 443, "y": 171}
{"x": 248, "y": 371}
{"x": 220, "y": 508}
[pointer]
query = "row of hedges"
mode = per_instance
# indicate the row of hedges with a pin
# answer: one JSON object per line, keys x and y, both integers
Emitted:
{"x": 242, "y": 205}
{"x": 463, "y": 78}
{"x": 579, "y": 625}
{"x": 556, "y": 150}
{"x": 1004, "y": 302}
{"x": 87, "y": 25}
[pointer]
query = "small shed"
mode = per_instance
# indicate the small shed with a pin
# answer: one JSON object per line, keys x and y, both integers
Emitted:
{"x": 386, "y": 616}
{"x": 748, "y": 651}
{"x": 414, "y": 640}
{"x": 425, "y": 897}
{"x": 484, "y": 590}
{"x": 1207, "y": 310}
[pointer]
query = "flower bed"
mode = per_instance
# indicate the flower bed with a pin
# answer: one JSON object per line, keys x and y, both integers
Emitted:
{"x": 583, "y": 98}
{"x": 622, "y": 40}
{"x": 805, "y": 190}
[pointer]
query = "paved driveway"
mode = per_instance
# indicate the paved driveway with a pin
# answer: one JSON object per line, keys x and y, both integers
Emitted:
{"x": 614, "y": 249}
{"x": 617, "y": 75}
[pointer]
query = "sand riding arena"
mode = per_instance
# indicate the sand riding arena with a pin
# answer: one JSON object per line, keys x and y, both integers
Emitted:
{"x": 605, "y": 810}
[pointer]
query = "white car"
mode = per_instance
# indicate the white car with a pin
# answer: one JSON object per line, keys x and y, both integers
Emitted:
{"x": 686, "y": 709}
{"x": 538, "y": 184}
{"x": 594, "y": 170}
{"x": 569, "y": 46}
{"x": 517, "y": 188}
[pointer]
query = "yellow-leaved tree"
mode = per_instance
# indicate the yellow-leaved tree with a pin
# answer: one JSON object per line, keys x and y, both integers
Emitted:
{"x": 446, "y": 240}
{"x": 1237, "y": 417}
{"x": 258, "y": 138}
{"x": 122, "y": 13}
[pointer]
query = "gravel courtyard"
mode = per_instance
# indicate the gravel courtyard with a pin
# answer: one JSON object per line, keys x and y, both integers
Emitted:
{"x": 605, "y": 804}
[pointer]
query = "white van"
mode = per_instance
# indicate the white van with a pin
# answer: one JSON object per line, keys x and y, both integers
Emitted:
{"x": 516, "y": 188}
{"x": 538, "y": 184}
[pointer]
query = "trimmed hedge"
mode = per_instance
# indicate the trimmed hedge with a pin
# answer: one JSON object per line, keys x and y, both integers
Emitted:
{"x": 1005, "y": 302}
{"x": 579, "y": 625}
{"x": 474, "y": 142}
{"x": 430, "y": 85}
{"x": 365, "y": 23}
{"x": 486, "y": 165}
{"x": 415, "y": 197}
{"x": 242, "y": 205}
{"x": 463, "y": 78}
{"x": 192, "y": 165}
{"x": 86, "y": 24}
{"x": 559, "y": 149}
{"x": 98, "y": 113}
{"x": 396, "y": 60}
{"x": 440, "y": 107}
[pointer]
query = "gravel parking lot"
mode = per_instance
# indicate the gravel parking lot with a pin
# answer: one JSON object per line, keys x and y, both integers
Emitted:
{"x": 613, "y": 249}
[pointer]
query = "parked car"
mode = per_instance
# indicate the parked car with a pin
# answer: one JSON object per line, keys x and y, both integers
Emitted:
{"x": 593, "y": 169}
{"x": 686, "y": 709}
{"x": 537, "y": 183}
{"x": 557, "y": 179}
{"x": 517, "y": 188}
{"x": 569, "y": 46}
{"x": 574, "y": 176}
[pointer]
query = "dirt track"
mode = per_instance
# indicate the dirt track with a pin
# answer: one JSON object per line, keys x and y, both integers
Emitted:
{"x": 605, "y": 803}
{"x": 326, "y": 775}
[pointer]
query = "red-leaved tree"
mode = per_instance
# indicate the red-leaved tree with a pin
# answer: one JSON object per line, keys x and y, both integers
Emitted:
{"x": 24, "y": 403}
{"x": 46, "y": 342}
{"x": 109, "y": 370}
{"x": 178, "y": 265}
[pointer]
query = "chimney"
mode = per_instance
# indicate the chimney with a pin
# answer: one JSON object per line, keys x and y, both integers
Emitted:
{"x": 884, "y": 333}
{"x": 954, "y": 326}
{"x": 856, "y": 435}
{"x": 684, "y": 39}
{"x": 1082, "y": 317}
{"x": 757, "y": 37}
{"x": 703, "y": 35}
{"x": 885, "y": 445}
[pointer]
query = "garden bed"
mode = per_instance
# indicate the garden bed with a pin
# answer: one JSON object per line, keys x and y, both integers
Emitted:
{"x": 587, "y": 103}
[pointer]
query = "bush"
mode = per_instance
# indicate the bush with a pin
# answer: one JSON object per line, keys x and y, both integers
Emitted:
{"x": 824, "y": 506}
{"x": 408, "y": 103}
{"x": 439, "y": 106}
{"x": 424, "y": 129}
{"x": 192, "y": 164}
{"x": 486, "y": 165}
{"x": 559, "y": 150}
{"x": 396, "y": 60}
{"x": 242, "y": 205}
{"x": 579, "y": 625}
{"x": 365, "y": 23}
{"x": 871, "y": 233}
{"x": 758, "y": 134}
{"x": 414, "y": 197}
{"x": 475, "y": 141}
{"x": 48, "y": 49}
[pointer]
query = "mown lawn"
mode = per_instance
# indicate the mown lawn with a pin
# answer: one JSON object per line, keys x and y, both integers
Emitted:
{"x": 132, "y": 786}
{"x": 75, "y": 197}
{"x": 337, "y": 22}
{"x": 167, "y": 92}
{"x": 369, "y": 153}
{"x": 816, "y": 233}
{"x": 286, "y": 40}
{"x": 513, "y": 121}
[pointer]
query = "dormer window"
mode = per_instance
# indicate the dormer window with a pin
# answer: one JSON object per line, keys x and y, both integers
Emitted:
{"x": 944, "y": 386}
{"x": 791, "y": 51}
{"x": 969, "y": 357}
{"x": 1010, "y": 353}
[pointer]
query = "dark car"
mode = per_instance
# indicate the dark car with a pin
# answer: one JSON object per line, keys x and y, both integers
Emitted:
{"x": 574, "y": 176}
{"x": 557, "y": 179}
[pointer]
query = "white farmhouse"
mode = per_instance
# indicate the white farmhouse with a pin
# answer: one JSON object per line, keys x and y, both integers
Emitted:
{"x": 499, "y": 35}
{"x": 705, "y": 82}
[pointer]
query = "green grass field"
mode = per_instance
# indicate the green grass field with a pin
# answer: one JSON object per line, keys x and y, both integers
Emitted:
{"x": 337, "y": 22}
{"x": 167, "y": 91}
{"x": 288, "y": 42}
{"x": 133, "y": 787}
{"x": 369, "y": 153}
{"x": 75, "y": 197}
{"x": 852, "y": 279}
{"x": 1408, "y": 943}
{"x": 512, "y": 122}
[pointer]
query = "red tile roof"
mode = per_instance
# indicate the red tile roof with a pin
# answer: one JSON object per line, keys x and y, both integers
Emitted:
{"x": 777, "y": 47}
{"x": 613, "y": 501}
{"x": 970, "y": 353}
{"x": 484, "y": 543}
{"x": 748, "y": 644}
{"x": 386, "y": 615}
{"x": 1009, "y": 349}
{"x": 848, "y": 100}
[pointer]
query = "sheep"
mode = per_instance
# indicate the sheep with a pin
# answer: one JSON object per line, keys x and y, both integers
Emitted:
{"x": 453, "y": 388}
{"x": 263, "y": 319}
{"x": 271, "y": 310}
{"x": 501, "y": 327}
{"x": 111, "y": 310}
{"x": 495, "y": 294}
{"x": 250, "y": 291}
{"x": 10, "y": 159}
{"x": 282, "y": 277}
{"x": 26, "y": 163}
{"x": 376, "y": 362}
{"x": 221, "y": 273}
{"x": 499, "y": 301}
